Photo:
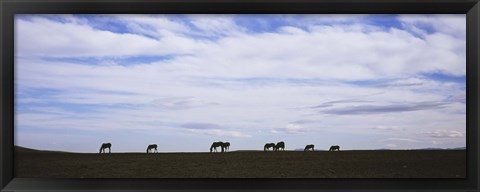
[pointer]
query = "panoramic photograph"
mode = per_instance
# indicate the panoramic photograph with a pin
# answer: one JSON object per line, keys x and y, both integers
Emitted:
{"x": 240, "y": 96}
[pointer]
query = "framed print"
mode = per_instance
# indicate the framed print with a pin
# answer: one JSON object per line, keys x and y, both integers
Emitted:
{"x": 227, "y": 95}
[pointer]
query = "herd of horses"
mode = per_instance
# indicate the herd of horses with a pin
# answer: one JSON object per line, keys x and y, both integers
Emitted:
{"x": 281, "y": 146}
{"x": 225, "y": 146}
{"x": 275, "y": 147}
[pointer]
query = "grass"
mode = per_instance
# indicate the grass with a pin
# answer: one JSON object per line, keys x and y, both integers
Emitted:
{"x": 244, "y": 164}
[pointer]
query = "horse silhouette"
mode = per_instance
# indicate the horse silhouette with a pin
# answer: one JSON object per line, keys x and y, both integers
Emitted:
{"x": 269, "y": 145}
{"x": 214, "y": 146}
{"x": 226, "y": 146}
{"x": 311, "y": 146}
{"x": 280, "y": 145}
{"x": 104, "y": 146}
{"x": 334, "y": 148}
{"x": 152, "y": 148}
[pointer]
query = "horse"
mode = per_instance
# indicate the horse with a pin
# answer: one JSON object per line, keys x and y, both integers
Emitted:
{"x": 152, "y": 147}
{"x": 226, "y": 146}
{"x": 214, "y": 146}
{"x": 269, "y": 145}
{"x": 104, "y": 146}
{"x": 334, "y": 148}
{"x": 279, "y": 145}
{"x": 311, "y": 146}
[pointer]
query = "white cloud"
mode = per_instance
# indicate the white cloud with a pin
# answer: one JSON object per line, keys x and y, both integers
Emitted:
{"x": 444, "y": 134}
{"x": 215, "y": 25}
{"x": 371, "y": 53}
{"x": 153, "y": 25}
{"x": 221, "y": 133}
{"x": 46, "y": 38}
{"x": 290, "y": 129}
{"x": 454, "y": 25}
{"x": 400, "y": 140}
{"x": 387, "y": 128}
{"x": 181, "y": 103}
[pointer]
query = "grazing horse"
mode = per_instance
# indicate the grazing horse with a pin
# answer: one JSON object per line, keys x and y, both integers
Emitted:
{"x": 152, "y": 148}
{"x": 269, "y": 145}
{"x": 280, "y": 145}
{"x": 311, "y": 146}
{"x": 226, "y": 146}
{"x": 334, "y": 148}
{"x": 214, "y": 146}
{"x": 104, "y": 146}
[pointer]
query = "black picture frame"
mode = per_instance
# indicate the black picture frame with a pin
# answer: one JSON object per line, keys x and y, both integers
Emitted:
{"x": 8, "y": 8}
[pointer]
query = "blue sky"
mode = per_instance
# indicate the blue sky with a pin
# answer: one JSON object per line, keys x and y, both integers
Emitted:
{"x": 185, "y": 81}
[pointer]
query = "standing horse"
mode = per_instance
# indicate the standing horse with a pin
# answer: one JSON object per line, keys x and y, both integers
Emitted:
{"x": 214, "y": 146}
{"x": 104, "y": 146}
{"x": 226, "y": 146}
{"x": 152, "y": 148}
{"x": 280, "y": 145}
{"x": 311, "y": 146}
{"x": 334, "y": 148}
{"x": 269, "y": 145}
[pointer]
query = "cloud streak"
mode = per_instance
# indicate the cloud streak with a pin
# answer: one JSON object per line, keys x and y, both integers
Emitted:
{"x": 387, "y": 108}
{"x": 200, "y": 126}
{"x": 181, "y": 103}
{"x": 291, "y": 129}
{"x": 444, "y": 134}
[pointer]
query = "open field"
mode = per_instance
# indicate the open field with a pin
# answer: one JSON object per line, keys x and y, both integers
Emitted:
{"x": 243, "y": 164}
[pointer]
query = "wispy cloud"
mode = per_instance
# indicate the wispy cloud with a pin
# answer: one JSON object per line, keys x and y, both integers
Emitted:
{"x": 213, "y": 129}
{"x": 443, "y": 134}
{"x": 221, "y": 133}
{"x": 291, "y": 129}
{"x": 387, "y": 128}
{"x": 400, "y": 140}
{"x": 305, "y": 121}
{"x": 200, "y": 126}
{"x": 403, "y": 83}
{"x": 387, "y": 108}
{"x": 332, "y": 103}
{"x": 181, "y": 103}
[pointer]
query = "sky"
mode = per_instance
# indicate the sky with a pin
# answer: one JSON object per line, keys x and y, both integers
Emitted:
{"x": 185, "y": 81}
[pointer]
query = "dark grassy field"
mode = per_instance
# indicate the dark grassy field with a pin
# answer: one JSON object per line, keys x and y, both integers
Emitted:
{"x": 243, "y": 164}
